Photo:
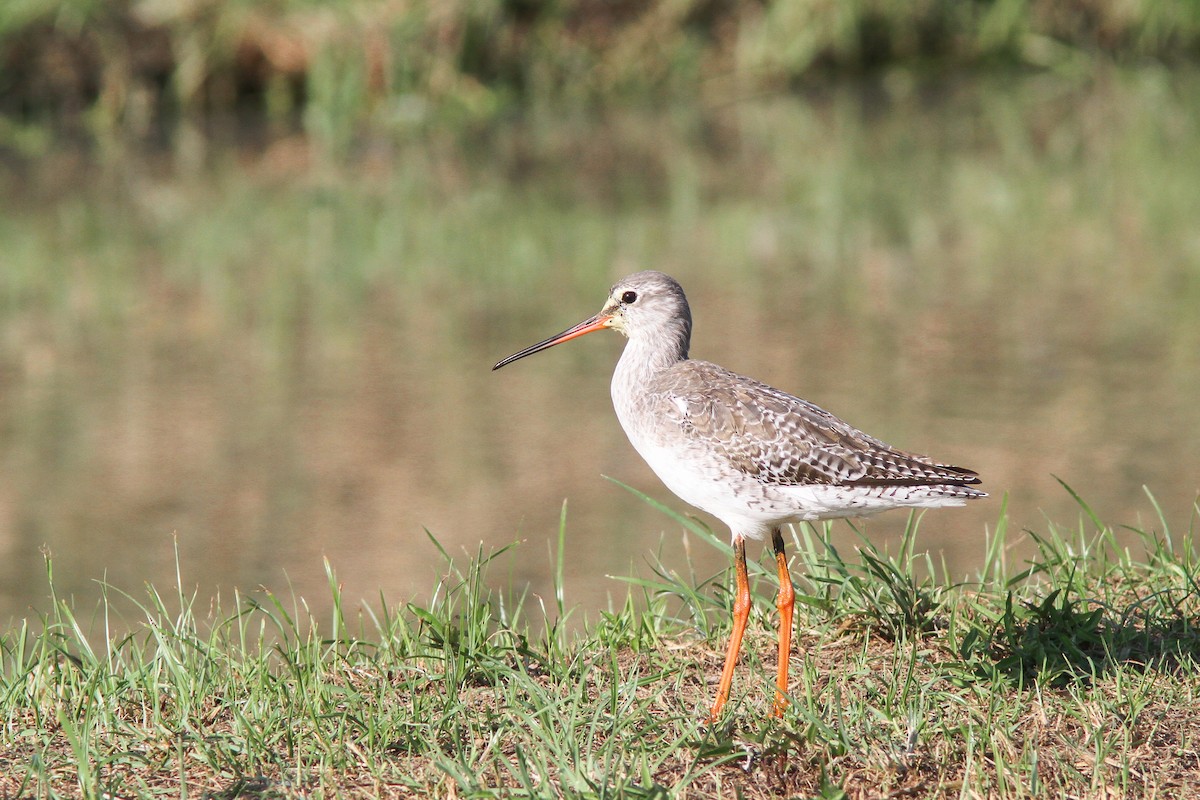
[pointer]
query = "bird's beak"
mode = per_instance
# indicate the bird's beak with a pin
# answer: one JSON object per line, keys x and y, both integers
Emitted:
{"x": 596, "y": 323}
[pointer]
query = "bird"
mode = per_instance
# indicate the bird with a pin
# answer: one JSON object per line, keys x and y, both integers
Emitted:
{"x": 753, "y": 456}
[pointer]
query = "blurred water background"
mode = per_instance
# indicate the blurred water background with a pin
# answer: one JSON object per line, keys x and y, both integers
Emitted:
{"x": 260, "y": 344}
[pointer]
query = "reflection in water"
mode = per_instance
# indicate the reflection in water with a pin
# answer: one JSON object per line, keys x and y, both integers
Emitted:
{"x": 274, "y": 357}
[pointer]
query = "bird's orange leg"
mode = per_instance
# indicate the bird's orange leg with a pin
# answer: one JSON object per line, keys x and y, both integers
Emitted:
{"x": 785, "y": 602}
{"x": 741, "y": 612}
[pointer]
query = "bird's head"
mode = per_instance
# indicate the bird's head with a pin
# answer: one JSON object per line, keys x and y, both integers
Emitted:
{"x": 644, "y": 305}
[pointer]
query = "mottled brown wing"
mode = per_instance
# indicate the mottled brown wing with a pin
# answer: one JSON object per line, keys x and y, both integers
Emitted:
{"x": 780, "y": 439}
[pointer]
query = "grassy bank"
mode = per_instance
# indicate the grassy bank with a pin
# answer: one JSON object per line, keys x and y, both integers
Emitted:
{"x": 1072, "y": 675}
{"x": 343, "y": 63}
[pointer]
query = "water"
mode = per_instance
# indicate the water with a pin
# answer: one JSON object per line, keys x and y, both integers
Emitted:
{"x": 262, "y": 354}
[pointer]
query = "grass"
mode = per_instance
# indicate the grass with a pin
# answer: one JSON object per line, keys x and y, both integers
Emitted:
{"x": 1072, "y": 676}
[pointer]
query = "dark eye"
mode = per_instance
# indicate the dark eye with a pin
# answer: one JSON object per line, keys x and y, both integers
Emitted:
{"x": 629, "y": 297}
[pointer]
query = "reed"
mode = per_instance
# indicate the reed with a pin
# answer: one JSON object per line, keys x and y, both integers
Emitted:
{"x": 338, "y": 65}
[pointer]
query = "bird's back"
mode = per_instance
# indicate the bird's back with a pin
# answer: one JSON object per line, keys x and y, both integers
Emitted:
{"x": 734, "y": 446}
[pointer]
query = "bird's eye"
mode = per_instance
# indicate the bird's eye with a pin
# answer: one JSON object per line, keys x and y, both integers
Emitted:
{"x": 629, "y": 297}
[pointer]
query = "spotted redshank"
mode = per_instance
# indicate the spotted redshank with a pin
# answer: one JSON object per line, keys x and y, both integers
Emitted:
{"x": 753, "y": 456}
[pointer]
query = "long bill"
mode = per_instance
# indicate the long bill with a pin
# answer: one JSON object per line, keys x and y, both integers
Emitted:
{"x": 595, "y": 323}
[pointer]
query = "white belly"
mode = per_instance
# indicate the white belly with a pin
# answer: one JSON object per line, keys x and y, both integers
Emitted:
{"x": 752, "y": 509}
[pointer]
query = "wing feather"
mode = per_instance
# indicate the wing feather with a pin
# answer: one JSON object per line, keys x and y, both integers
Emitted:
{"x": 783, "y": 440}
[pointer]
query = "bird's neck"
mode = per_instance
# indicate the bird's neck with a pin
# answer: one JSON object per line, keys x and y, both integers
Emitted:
{"x": 642, "y": 360}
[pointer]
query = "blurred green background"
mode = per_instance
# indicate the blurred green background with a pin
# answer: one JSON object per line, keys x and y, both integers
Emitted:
{"x": 256, "y": 260}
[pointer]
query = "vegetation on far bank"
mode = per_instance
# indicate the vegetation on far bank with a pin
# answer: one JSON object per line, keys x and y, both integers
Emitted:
{"x": 1072, "y": 675}
{"x": 128, "y": 63}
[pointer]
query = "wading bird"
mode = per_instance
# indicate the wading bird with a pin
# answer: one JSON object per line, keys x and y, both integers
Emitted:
{"x": 753, "y": 456}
